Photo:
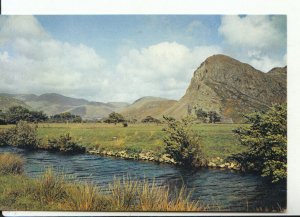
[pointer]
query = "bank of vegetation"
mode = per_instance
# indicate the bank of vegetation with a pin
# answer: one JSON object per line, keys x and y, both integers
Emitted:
{"x": 259, "y": 146}
{"x": 53, "y": 191}
{"x": 24, "y": 135}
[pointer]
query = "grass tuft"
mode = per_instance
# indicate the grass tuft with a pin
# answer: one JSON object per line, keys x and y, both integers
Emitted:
{"x": 11, "y": 164}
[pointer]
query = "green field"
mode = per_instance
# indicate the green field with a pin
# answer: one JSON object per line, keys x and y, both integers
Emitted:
{"x": 217, "y": 140}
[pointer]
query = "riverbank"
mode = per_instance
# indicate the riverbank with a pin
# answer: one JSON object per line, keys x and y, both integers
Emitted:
{"x": 219, "y": 189}
{"x": 53, "y": 192}
{"x": 144, "y": 141}
{"x": 162, "y": 158}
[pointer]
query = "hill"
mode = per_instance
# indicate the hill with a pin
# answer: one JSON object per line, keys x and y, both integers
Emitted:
{"x": 53, "y": 103}
{"x": 231, "y": 88}
{"x": 6, "y": 102}
{"x": 147, "y": 106}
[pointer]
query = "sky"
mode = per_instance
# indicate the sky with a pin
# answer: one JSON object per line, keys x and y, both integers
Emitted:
{"x": 124, "y": 57}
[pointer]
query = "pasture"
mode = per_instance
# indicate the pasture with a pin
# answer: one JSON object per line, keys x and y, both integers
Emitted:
{"x": 217, "y": 140}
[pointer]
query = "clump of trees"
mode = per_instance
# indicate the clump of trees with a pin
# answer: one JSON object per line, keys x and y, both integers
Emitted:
{"x": 115, "y": 118}
{"x": 181, "y": 143}
{"x": 207, "y": 116}
{"x": 65, "y": 117}
{"x": 19, "y": 113}
{"x": 150, "y": 119}
{"x": 266, "y": 139}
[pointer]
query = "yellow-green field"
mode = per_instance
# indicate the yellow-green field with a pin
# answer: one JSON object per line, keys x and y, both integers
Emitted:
{"x": 217, "y": 140}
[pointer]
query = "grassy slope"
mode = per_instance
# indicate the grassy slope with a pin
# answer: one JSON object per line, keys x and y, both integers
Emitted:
{"x": 217, "y": 139}
{"x": 7, "y": 102}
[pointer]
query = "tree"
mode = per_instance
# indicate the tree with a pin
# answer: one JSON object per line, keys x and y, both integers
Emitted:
{"x": 150, "y": 119}
{"x": 266, "y": 138}
{"x": 181, "y": 143}
{"x": 19, "y": 113}
{"x": 115, "y": 118}
{"x": 213, "y": 117}
{"x": 201, "y": 115}
{"x": 66, "y": 117}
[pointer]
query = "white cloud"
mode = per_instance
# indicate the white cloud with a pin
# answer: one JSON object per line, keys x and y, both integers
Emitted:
{"x": 164, "y": 69}
{"x": 265, "y": 63}
{"x": 253, "y": 31}
{"x": 257, "y": 40}
{"x": 35, "y": 62}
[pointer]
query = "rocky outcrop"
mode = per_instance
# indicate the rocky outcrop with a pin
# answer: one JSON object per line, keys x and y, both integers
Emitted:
{"x": 231, "y": 88}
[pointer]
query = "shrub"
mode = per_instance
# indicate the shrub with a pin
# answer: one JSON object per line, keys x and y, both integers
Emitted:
{"x": 64, "y": 143}
{"x": 11, "y": 164}
{"x": 150, "y": 119}
{"x": 23, "y": 135}
{"x": 266, "y": 138}
{"x": 5, "y": 136}
{"x": 181, "y": 143}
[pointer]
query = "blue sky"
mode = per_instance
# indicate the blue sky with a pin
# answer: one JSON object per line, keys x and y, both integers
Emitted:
{"x": 122, "y": 58}
{"x": 109, "y": 34}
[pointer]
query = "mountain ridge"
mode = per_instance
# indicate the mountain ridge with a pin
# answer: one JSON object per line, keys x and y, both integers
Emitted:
{"x": 221, "y": 83}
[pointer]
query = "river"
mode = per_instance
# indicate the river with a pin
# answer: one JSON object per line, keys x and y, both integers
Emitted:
{"x": 222, "y": 190}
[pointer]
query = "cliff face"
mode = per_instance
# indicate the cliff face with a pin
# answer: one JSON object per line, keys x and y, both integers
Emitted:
{"x": 231, "y": 88}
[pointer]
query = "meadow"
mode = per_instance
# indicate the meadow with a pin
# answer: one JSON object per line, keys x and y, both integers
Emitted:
{"x": 217, "y": 140}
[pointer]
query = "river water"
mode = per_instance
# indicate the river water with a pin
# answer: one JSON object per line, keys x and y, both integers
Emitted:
{"x": 222, "y": 190}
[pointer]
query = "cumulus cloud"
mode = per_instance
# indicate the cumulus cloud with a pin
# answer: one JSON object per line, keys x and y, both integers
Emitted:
{"x": 254, "y": 31}
{"x": 31, "y": 61}
{"x": 164, "y": 69}
{"x": 258, "y": 40}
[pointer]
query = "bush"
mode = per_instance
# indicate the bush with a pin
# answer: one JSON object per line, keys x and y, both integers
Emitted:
{"x": 11, "y": 164}
{"x": 266, "y": 138}
{"x": 181, "y": 143}
{"x": 5, "y": 136}
{"x": 64, "y": 143}
{"x": 150, "y": 119}
{"x": 23, "y": 135}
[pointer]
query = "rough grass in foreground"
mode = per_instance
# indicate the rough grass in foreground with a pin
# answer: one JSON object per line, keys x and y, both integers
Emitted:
{"x": 11, "y": 164}
{"x": 52, "y": 192}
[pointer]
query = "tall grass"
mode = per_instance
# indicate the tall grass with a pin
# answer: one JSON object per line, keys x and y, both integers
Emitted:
{"x": 50, "y": 188}
{"x": 11, "y": 164}
{"x": 132, "y": 195}
{"x": 54, "y": 192}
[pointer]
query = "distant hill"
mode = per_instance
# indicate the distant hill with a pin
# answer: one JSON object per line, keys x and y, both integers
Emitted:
{"x": 53, "y": 103}
{"x": 6, "y": 102}
{"x": 231, "y": 88}
{"x": 220, "y": 83}
{"x": 147, "y": 106}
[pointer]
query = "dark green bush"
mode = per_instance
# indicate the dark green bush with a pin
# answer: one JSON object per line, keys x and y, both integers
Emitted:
{"x": 266, "y": 138}
{"x": 64, "y": 143}
{"x": 4, "y": 137}
{"x": 23, "y": 135}
{"x": 182, "y": 144}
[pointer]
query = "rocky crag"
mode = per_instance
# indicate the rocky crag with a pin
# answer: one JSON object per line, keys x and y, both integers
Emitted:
{"x": 231, "y": 88}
